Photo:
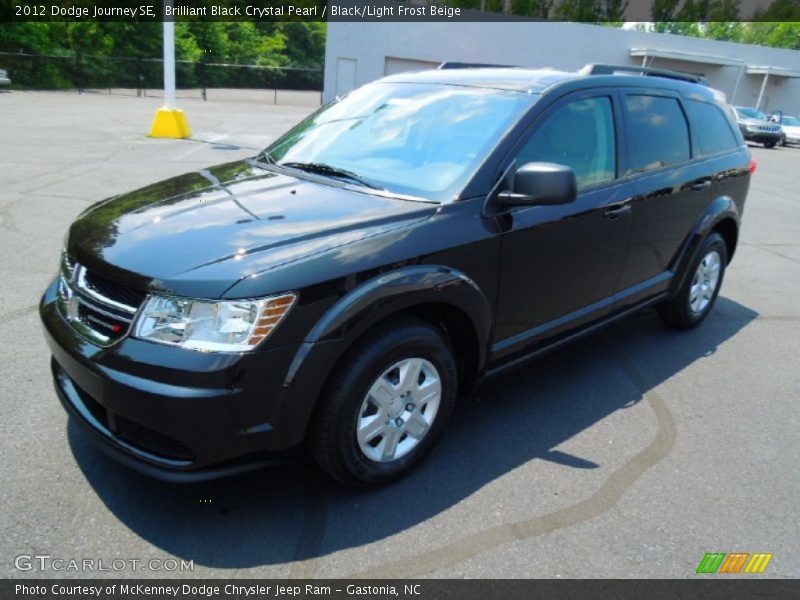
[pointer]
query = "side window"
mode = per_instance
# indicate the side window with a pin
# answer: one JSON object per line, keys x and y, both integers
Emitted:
{"x": 579, "y": 135}
{"x": 711, "y": 128}
{"x": 658, "y": 134}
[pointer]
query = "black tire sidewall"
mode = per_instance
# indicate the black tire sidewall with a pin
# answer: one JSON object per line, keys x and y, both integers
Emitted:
{"x": 713, "y": 242}
{"x": 415, "y": 341}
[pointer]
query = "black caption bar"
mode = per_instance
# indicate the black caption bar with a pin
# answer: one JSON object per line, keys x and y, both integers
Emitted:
{"x": 439, "y": 589}
{"x": 398, "y": 10}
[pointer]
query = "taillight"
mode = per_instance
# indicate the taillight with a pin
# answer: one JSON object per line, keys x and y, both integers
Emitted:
{"x": 753, "y": 165}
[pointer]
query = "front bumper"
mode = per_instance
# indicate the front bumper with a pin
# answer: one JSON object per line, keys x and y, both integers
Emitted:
{"x": 171, "y": 413}
{"x": 762, "y": 136}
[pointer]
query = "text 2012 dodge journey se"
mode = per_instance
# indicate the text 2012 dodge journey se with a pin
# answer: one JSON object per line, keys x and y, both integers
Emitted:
{"x": 340, "y": 289}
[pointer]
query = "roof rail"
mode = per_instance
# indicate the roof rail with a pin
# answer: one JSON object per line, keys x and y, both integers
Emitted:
{"x": 612, "y": 69}
{"x": 465, "y": 65}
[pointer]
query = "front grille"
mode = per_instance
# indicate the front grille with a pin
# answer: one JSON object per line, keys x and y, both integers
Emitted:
{"x": 109, "y": 326}
{"x": 98, "y": 308}
{"x": 113, "y": 290}
{"x": 151, "y": 441}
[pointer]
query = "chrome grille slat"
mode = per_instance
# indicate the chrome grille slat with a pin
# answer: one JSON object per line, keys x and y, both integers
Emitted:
{"x": 87, "y": 302}
{"x": 91, "y": 313}
{"x": 80, "y": 281}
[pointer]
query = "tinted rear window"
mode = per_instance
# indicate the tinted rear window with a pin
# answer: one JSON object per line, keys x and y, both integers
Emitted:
{"x": 711, "y": 128}
{"x": 658, "y": 134}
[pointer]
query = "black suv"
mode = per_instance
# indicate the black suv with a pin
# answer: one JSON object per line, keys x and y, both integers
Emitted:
{"x": 339, "y": 290}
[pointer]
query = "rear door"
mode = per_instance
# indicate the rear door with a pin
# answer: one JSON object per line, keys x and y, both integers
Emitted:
{"x": 672, "y": 189}
{"x": 717, "y": 138}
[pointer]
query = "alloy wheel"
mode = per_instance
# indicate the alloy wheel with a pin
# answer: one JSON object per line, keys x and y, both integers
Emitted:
{"x": 398, "y": 410}
{"x": 704, "y": 282}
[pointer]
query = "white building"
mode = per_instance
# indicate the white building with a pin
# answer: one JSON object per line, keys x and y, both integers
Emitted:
{"x": 358, "y": 53}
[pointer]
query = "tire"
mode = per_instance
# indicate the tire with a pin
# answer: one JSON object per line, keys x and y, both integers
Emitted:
{"x": 366, "y": 407}
{"x": 691, "y": 304}
{"x": 769, "y": 144}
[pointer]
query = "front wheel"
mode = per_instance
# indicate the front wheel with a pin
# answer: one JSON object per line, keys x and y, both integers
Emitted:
{"x": 699, "y": 291}
{"x": 769, "y": 144}
{"x": 384, "y": 404}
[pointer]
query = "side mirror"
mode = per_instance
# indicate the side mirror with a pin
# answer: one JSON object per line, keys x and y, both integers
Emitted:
{"x": 541, "y": 183}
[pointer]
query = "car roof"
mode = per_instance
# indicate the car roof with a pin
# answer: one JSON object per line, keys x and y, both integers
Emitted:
{"x": 537, "y": 81}
{"x": 504, "y": 78}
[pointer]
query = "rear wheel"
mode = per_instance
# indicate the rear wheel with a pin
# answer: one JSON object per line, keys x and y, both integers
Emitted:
{"x": 385, "y": 404}
{"x": 699, "y": 291}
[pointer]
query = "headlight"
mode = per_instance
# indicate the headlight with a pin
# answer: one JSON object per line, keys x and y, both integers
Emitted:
{"x": 212, "y": 326}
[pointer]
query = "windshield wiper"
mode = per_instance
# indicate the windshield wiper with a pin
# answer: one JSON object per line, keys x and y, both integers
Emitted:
{"x": 330, "y": 171}
{"x": 265, "y": 157}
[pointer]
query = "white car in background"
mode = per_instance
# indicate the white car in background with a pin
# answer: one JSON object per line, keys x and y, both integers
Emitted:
{"x": 4, "y": 80}
{"x": 791, "y": 130}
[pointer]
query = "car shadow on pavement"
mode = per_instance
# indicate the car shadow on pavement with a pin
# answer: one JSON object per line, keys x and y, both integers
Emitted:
{"x": 293, "y": 512}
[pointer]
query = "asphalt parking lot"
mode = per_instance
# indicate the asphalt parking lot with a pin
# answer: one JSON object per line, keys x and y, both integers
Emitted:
{"x": 630, "y": 454}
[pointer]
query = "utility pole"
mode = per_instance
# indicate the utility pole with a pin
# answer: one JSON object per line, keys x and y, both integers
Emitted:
{"x": 170, "y": 121}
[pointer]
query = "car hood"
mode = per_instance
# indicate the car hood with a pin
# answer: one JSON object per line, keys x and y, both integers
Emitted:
{"x": 750, "y": 121}
{"x": 200, "y": 233}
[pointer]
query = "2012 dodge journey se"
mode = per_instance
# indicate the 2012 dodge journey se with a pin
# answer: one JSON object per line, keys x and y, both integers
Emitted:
{"x": 337, "y": 291}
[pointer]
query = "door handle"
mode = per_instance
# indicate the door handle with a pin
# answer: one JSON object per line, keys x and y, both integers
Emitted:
{"x": 701, "y": 185}
{"x": 616, "y": 211}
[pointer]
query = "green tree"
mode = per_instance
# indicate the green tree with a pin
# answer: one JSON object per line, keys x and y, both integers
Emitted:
{"x": 304, "y": 43}
{"x": 591, "y": 10}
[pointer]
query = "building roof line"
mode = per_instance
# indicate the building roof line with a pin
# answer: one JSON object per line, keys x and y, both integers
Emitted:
{"x": 682, "y": 55}
{"x": 774, "y": 71}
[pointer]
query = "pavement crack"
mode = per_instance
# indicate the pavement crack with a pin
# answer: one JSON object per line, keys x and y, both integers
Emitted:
{"x": 780, "y": 318}
{"x": 597, "y": 504}
{"x": 769, "y": 249}
{"x": 16, "y": 314}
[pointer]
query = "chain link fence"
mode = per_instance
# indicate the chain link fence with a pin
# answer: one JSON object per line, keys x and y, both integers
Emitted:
{"x": 144, "y": 77}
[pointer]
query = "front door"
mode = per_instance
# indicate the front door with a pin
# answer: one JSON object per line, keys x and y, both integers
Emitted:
{"x": 561, "y": 264}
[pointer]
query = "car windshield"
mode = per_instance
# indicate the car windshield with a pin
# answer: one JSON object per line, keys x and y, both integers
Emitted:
{"x": 423, "y": 140}
{"x": 791, "y": 121}
{"x": 751, "y": 113}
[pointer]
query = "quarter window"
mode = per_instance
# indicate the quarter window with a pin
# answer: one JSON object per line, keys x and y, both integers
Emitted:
{"x": 579, "y": 135}
{"x": 658, "y": 134}
{"x": 711, "y": 128}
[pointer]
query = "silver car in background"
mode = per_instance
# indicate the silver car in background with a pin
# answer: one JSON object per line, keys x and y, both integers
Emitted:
{"x": 4, "y": 80}
{"x": 756, "y": 126}
{"x": 791, "y": 130}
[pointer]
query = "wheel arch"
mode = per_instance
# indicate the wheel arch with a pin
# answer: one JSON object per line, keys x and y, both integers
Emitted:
{"x": 437, "y": 294}
{"x": 728, "y": 228}
{"x": 721, "y": 216}
{"x": 440, "y": 295}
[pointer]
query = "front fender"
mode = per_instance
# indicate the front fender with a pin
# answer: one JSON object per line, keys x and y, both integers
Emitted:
{"x": 354, "y": 314}
{"x": 390, "y": 293}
